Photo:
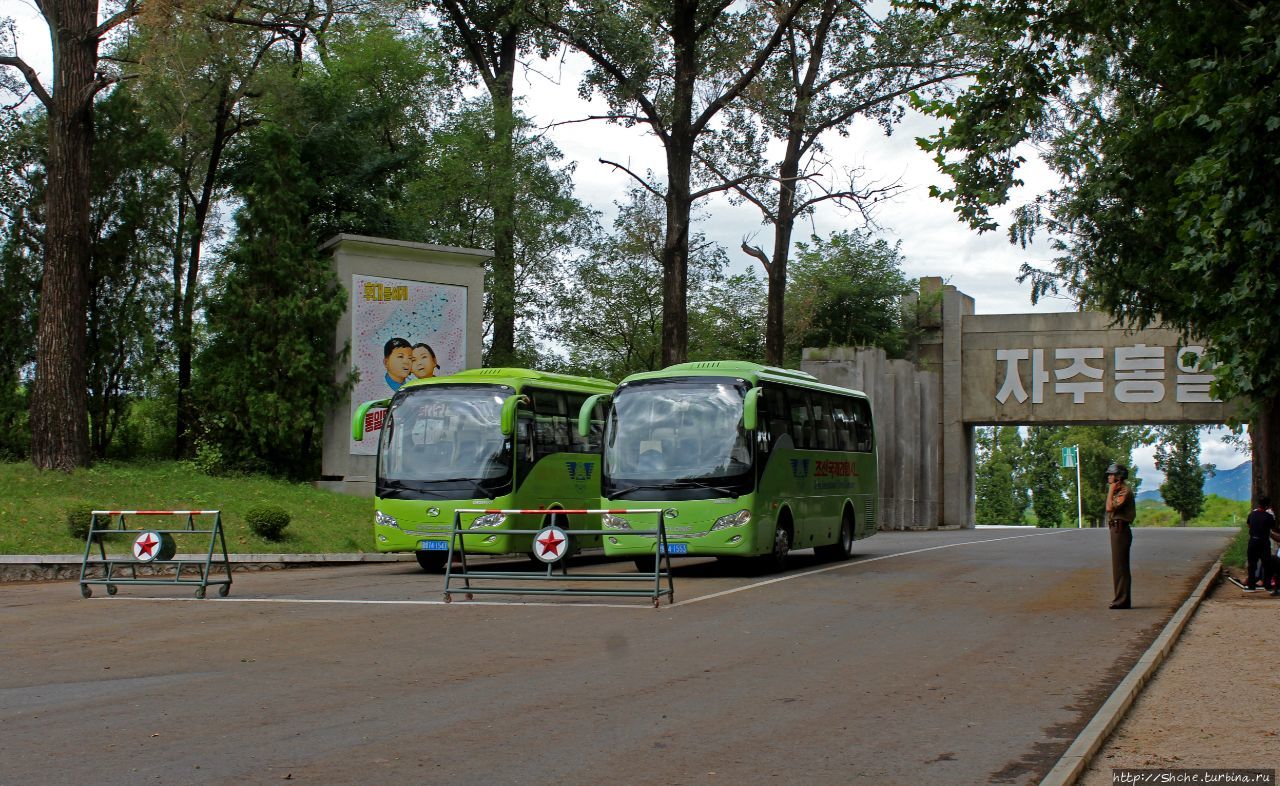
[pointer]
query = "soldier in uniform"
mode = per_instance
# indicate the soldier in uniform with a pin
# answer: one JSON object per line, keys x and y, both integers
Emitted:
{"x": 1120, "y": 513}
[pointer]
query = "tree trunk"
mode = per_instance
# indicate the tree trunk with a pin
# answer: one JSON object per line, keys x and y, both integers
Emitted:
{"x": 679, "y": 150}
{"x": 503, "y": 295}
{"x": 1264, "y": 433}
{"x": 775, "y": 338}
{"x": 59, "y": 400}
{"x": 184, "y": 297}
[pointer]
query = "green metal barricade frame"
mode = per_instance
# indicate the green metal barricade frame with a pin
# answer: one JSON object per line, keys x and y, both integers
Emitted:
{"x": 113, "y": 567}
{"x": 457, "y": 546}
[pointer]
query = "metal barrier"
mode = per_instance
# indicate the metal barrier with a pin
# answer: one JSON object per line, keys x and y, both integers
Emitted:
{"x": 153, "y": 547}
{"x": 555, "y": 543}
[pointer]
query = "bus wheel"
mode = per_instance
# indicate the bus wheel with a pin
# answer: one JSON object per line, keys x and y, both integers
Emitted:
{"x": 432, "y": 561}
{"x": 645, "y": 564}
{"x": 842, "y": 548}
{"x": 776, "y": 560}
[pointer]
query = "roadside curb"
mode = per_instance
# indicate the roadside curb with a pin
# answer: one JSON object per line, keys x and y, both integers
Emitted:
{"x": 1087, "y": 744}
{"x": 51, "y": 567}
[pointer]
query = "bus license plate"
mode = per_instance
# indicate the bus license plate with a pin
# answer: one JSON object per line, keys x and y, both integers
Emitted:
{"x": 677, "y": 548}
{"x": 433, "y": 545}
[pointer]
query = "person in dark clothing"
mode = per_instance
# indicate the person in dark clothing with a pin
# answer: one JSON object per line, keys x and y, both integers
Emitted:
{"x": 1260, "y": 524}
{"x": 1120, "y": 513}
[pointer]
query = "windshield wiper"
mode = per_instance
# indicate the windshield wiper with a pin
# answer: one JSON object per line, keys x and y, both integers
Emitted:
{"x": 638, "y": 487}
{"x": 403, "y": 486}
{"x": 477, "y": 485}
{"x": 701, "y": 484}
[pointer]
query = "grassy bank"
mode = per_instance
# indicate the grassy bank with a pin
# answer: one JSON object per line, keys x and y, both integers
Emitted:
{"x": 33, "y": 506}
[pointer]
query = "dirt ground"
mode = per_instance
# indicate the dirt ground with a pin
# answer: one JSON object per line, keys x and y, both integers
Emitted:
{"x": 1212, "y": 704}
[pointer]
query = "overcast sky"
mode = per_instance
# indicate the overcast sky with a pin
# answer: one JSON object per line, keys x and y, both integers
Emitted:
{"x": 933, "y": 242}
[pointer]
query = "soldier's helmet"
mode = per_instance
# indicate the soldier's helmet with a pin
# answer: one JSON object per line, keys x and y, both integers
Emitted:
{"x": 1118, "y": 470}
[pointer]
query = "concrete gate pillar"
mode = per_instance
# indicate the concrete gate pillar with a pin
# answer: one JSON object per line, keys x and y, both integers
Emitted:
{"x": 958, "y": 500}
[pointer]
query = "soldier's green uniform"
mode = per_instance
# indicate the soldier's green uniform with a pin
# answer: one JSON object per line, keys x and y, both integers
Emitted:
{"x": 1121, "y": 509}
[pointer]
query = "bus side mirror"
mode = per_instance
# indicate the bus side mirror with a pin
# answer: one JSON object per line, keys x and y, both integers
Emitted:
{"x": 357, "y": 420}
{"x": 509, "y": 413}
{"x": 749, "y": 405}
{"x": 584, "y": 414}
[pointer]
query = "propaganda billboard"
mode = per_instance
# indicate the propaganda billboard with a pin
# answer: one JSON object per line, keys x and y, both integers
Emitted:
{"x": 401, "y": 331}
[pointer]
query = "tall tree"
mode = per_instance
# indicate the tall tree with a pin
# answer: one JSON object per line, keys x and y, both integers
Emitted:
{"x": 59, "y": 404}
{"x": 203, "y": 65}
{"x": 1178, "y": 457}
{"x": 131, "y": 216}
{"x": 269, "y": 377}
{"x": 1044, "y": 478}
{"x": 1160, "y": 118}
{"x": 840, "y": 61}
{"x": 22, "y": 177}
{"x": 1002, "y": 497}
{"x": 846, "y": 292}
{"x": 674, "y": 66}
{"x": 451, "y": 202}
{"x": 493, "y": 35}
{"x": 609, "y": 321}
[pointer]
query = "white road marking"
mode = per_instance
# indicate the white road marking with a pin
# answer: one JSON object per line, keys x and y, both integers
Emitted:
{"x": 850, "y": 564}
{"x": 589, "y": 605}
{"x": 380, "y": 602}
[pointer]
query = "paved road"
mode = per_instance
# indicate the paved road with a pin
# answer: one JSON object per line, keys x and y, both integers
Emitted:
{"x": 933, "y": 658}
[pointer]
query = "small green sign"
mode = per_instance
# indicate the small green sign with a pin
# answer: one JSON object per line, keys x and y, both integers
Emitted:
{"x": 1068, "y": 457}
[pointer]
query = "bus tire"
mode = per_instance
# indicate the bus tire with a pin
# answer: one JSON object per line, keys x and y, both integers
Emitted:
{"x": 776, "y": 560}
{"x": 645, "y": 564}
{"x": 842, "y": 549}
{"x": 432, "y": 561}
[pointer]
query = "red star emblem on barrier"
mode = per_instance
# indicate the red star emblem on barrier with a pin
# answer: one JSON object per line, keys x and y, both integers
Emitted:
{"x": 550, "y": 544}
{"x": 146, "y": 545}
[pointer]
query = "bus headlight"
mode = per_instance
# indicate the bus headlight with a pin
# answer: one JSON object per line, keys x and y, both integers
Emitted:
{"x": 739, "y": 519}
{"x": 610, "y": 521}
{"x": 383, "y": 520}
{"x": 489, "y": 520}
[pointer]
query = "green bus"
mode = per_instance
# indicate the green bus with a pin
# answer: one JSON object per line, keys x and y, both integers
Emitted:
{"x": 494, "y": 438}
{"x": 747, "y": 461}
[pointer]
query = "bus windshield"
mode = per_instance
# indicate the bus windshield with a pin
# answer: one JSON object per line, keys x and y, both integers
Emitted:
{"x": 445, "y": 442}
{"x": 677, "y": 439}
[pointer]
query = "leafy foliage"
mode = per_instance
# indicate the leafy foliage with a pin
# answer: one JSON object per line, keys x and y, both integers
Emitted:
{"x": 79, "y": 519}
{"x": 845, "y": 291}
{"x": 1178, "y": 457}
{"x": 1046, "y": 482}
{"x": 267, "y": 521}
{"x": 266, "y": 377}
{"x": 1002, "y": 494}
{"x": 1160, "y": 118}
{"x": 610, "y": 319}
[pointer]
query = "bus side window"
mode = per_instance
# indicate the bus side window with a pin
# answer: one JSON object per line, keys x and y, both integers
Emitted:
{"x": 826, "y": 429}
{"x": 551, "y": 423}
{"x": 590, "y": 443}
{"x": 842, "y": 415}
{"x": 801, "y": 419}
{"x": 779, "y": 417}
{"x": 862, "y": 426}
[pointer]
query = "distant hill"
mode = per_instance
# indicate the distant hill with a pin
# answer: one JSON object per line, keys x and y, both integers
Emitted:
{"x": 1232, "y": 483}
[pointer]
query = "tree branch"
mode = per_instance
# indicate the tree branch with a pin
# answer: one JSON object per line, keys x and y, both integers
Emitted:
{"x": 758, "y": 254}
{"x": 748, "y": 76}
{"x": 33, "y": 78}
{"x": 638, "y": 179}
{"x": 131, "y": 10}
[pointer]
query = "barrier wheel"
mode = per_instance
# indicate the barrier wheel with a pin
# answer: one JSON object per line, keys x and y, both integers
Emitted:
{"x": 469, "y": 596}
{"x": 448, "y": 598}
{"x": 85, "y": 591}
{"x": 200, "y": 593}
{"x": 224, "y": 590}
{"x": 112, "y": 589}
